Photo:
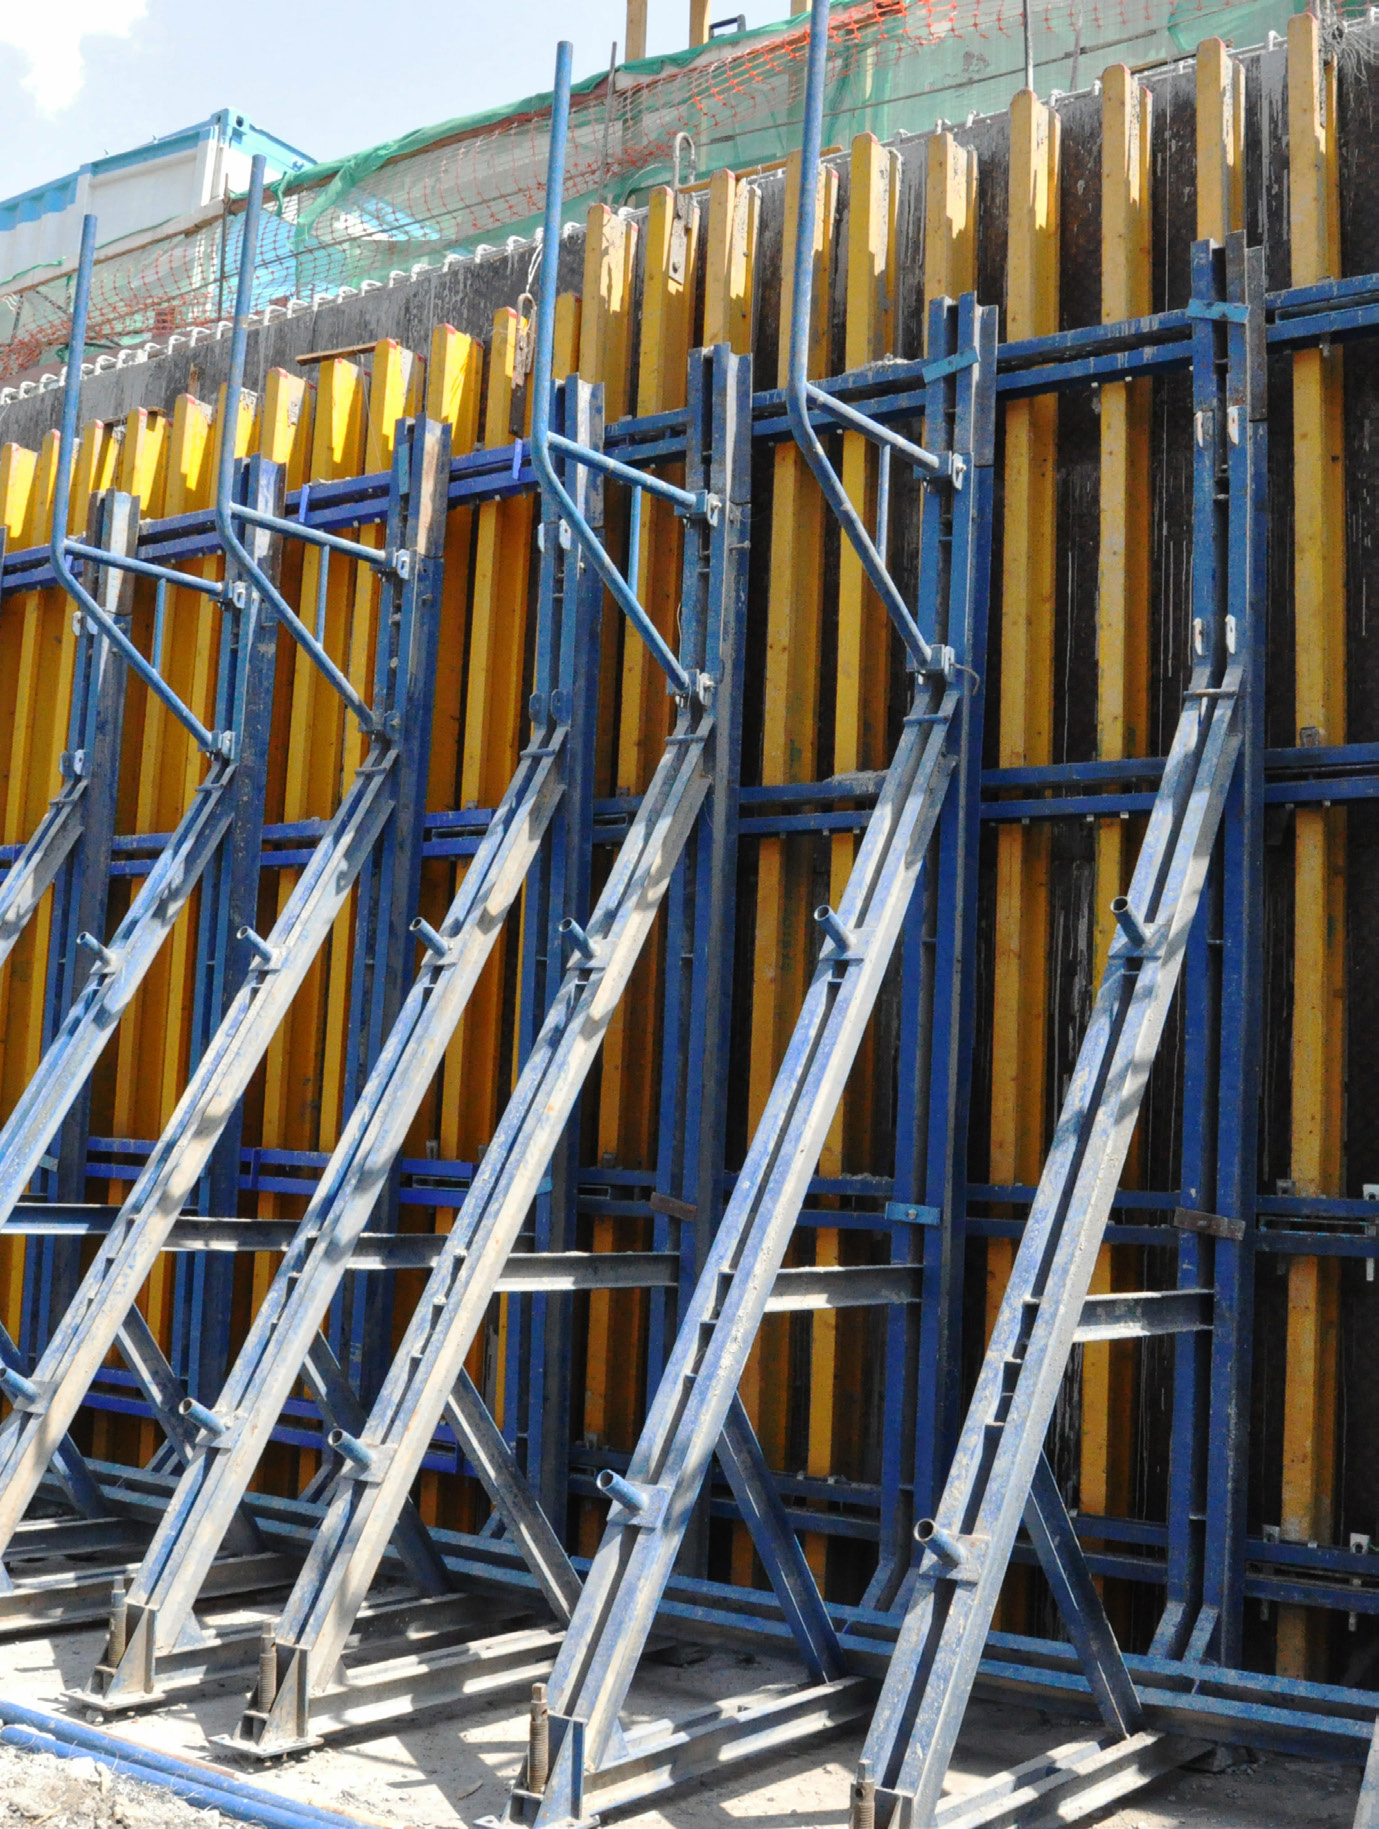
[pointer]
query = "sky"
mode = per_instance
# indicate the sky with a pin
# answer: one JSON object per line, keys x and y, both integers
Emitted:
{"x": 82, "y": 78}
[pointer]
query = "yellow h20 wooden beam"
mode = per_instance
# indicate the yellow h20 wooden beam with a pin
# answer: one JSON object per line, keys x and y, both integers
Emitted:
{"x": 784, "y": 941}
{"x": 1020, "y": 977}
{"x": 629, "y": 1083}
{"x": 1123, "y": 586}
{"x": 859, "y": 742}
{"x": 1319, "y": 608}
{"x": 1026, "y": 713}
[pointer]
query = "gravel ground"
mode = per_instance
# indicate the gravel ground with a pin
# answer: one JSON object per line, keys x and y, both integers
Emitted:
{"x": 437, "y": 1773}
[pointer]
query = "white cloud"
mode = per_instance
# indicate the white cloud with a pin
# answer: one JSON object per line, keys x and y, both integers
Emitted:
{"x": 49, "y": 35}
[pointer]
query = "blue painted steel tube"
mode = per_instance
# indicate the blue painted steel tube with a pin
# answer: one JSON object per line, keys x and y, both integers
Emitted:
{"x": 937, "y": 1016}
{"x": 62, "y": 487}
{"x": 225, "y": 507}
{"x": 144, "y": 568}
{"x": 1218, "y": 1629}
{"x": 624, "y": 473}
{"x": 798, "y": 390}
{"x": 197, "y": 1783}
{"x": 589, "y": 542}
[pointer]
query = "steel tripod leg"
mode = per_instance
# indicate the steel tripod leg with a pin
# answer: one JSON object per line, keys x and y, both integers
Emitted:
{"x": 512, "y": 1496}
{"x": 697, "y": 1390}
{"x": 345, "y": 1555}
{"x": 285, "y": 1329}
{"x": 341, "y": 1406}
{"x": 764, "y": 1514}
{"x": 993, "y": 1472}
{"x": 31, "y": 1432}
{"x": 1061, "y": 1558}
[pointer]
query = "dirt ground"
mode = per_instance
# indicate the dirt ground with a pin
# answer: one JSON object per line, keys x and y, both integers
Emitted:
{"x": 440, "y": 1772}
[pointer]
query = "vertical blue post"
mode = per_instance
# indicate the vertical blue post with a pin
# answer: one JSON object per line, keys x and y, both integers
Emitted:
{"x": 229, "y": 901}
{"x": 1217, "y": 1632}
{"x": 1211, "y": 563}
{"x": 703, "y": 908}
{"x": 568, "y": 676}
{"x": 53, "y": 1266}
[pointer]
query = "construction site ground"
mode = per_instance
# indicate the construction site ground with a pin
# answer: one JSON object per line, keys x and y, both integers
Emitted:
{"x": 447, "y": 1770}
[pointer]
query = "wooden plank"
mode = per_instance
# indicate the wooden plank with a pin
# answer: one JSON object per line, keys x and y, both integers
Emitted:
{"x": 312, "y": 722}
{"x": 1020, "y": 989}
{"x": 859, "y": 742}
{"x": 730, "y": 247}
{"x": 42, "y": 655}
{"x": 395, "y": 388}
{"x": 1220, "y": 141}
{"x": 1020, "y": 996}
{"x": 1319, "y": 887}
{"x": 627, "y": 1101}
{"x": 31, "y": 491}
{"x": 784, "y": 944}
{"x": 497, "y": 625}
{"x": 605, "y": 352}
{"x": 616, "y": 1350}
{"x": 454, "y": 394}
{"x": 950, "y": 220}
{"x": 157, "y": 1028}
{"x": 1123, "y": 584}
{"x": 475, "y": 1076}
{"x": 634, "y": 45}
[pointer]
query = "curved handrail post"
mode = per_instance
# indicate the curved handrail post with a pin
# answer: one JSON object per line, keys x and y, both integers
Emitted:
{"x": 683, "y": 683}
{"x": 227, "y": 510}
{"x": 925, "y": 658}
{"x": 218, "y": 743}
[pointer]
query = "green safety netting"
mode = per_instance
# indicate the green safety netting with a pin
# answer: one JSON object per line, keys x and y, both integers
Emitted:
{"x": 894, "y": 66}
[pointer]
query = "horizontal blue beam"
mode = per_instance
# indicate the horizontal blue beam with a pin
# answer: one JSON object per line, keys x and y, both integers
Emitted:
{"x": 1082, "y": 356}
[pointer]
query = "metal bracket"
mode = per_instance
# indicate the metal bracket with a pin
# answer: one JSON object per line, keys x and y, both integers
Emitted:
{"x": 1215, "y": 1225}
{"x": 634, "y": 1502}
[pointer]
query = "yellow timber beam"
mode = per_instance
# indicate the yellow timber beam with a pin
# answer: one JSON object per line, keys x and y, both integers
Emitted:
{"x": 43, "y": 668}
{"x": 784, "y": 940}
{"x": 1020, "y": 993}
{"x": 629, "y": 1085}
{"x": 1020, "y": 977}
{"x": 1319, "y": 884}
{"x": 454, "y": 394}
{"x": 859, "y": 742}
{"x": 1123, "y": 591}
{"x": 313, "y": 728}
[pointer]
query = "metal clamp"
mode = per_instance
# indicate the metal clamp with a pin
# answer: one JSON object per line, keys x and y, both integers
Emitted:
{"x": 436, "y": 944}
{"x": 205, "y": 1419}
{"x": 579, "y": 940}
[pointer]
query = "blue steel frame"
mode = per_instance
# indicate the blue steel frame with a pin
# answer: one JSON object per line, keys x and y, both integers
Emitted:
{"x": 243, "y": 983}
{"x": 1258, "y": 1708}
{"x": 1291, "y": 776}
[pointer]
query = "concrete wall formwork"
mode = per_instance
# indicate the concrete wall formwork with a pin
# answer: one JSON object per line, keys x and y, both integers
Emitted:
{"x": 1066, "y": 212}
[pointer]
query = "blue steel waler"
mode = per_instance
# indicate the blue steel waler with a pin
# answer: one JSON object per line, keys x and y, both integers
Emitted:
{"x": 102, "y": 1312}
